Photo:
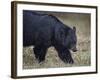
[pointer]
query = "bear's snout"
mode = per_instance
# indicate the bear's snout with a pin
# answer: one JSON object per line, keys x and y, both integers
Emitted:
{"x": 74, "y": 49}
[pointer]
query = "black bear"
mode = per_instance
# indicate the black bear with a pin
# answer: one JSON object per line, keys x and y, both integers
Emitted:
{"x": 43, "y": 30}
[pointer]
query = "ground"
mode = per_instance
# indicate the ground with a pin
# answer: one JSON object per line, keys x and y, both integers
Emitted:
{"x": 81, "y": 58}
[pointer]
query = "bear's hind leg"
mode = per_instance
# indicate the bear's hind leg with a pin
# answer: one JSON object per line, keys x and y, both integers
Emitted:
{"x": 36, "y": 52}
{"x": 40, "y": 53}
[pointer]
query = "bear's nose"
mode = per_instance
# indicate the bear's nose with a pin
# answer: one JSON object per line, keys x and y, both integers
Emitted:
{"x": 75, "y": 50}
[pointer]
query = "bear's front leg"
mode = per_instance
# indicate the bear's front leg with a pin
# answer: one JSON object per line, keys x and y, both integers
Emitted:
{"x": 65, "y": 55}
{"x": 40, "y": 53}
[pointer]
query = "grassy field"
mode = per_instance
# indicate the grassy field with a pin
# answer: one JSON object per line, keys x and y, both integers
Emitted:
{"x": 81, "y": 58}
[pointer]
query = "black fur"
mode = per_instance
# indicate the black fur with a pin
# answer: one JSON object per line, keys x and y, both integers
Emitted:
{"x": 43, "y": 31}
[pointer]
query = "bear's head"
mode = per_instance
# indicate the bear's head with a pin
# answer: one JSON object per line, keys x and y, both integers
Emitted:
{"x": 72, "y": 39}
{"x": 66, "y": 38}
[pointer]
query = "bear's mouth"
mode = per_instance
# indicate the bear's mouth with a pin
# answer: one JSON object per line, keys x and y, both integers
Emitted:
{"x": 74, "y": 49}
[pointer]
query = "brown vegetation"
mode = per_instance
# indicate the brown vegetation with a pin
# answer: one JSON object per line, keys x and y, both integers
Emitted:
{"x": 81, "y": 58}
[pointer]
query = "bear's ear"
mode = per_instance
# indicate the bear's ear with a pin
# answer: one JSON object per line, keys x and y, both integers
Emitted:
{"x": 74, "y": 28}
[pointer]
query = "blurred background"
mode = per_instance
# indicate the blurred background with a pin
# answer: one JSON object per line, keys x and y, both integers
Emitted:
{"x": 81, "y": 58}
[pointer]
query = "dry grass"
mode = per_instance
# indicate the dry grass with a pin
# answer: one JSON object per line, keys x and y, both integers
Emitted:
{"x": 81, "y": 58}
